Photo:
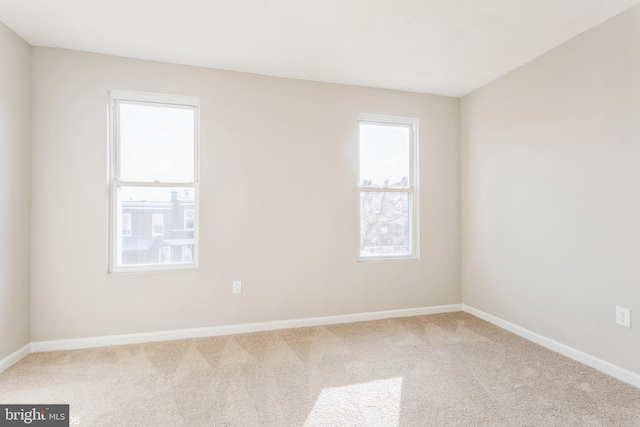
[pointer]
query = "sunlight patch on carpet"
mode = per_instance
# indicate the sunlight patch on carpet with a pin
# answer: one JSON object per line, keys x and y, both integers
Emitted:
{"x": 372, "y": 403}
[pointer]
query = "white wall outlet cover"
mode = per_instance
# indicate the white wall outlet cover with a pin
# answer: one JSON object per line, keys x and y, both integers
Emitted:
{"x": 237, "y": 286}
{"x": 623, "y": 316}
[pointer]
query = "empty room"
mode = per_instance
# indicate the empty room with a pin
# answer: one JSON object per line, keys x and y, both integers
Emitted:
{"x": 320, "y": 213}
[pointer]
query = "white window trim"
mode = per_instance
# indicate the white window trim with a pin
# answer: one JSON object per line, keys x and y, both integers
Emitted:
{"x": 115, "y": 183}
{"x": 413, "y": 190}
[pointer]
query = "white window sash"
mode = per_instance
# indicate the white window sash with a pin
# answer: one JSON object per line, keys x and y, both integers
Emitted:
{"x": 411, "y": 189}
{"x": 173, "y": 101}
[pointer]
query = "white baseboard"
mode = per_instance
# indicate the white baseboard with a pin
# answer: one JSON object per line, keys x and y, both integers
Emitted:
{"x": 570, "y": 352}
{"x": 14, "y": 357}
{"x": 103, "y": 341}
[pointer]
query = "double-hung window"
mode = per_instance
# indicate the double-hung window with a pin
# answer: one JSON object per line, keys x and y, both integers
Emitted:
{"x": 154, "y": 181}
{"x": 387, "y": 187}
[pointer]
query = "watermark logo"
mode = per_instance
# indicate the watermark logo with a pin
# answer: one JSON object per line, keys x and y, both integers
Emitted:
{"x": 34, "y": 415}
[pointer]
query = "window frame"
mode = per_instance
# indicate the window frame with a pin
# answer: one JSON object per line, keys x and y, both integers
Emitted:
{"x": 114, "y": 98}
{"x": 412, "y": 190}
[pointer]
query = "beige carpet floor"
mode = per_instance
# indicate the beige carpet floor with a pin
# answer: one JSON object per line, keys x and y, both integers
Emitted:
{"x": 437, "y": 370}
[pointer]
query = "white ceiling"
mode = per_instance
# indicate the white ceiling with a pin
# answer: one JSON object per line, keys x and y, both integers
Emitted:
{"x": 447, "y": 47}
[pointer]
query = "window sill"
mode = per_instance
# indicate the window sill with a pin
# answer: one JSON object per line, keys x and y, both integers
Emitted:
{"x": 388, "y": 258}
{"x": 153, "y": 268}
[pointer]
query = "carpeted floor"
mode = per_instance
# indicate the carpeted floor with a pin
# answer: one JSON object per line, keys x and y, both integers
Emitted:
{"x": 438, "y": 370}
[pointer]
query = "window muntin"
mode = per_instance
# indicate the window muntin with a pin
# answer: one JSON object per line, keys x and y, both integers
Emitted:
{"x": 154, "y": 143}
{"x": 387, "y": 177}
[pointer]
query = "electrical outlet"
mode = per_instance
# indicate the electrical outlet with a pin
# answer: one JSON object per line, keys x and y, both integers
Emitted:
{"x": 237, "y": 286}
{"x": 623, "y": 316}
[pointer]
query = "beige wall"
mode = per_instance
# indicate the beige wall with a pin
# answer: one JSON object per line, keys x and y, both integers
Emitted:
{"x": 278, "y": 202}
{"x": 551, "y": 193}
{"x": 550, "y": 201}
{"x": 15, "y": 194}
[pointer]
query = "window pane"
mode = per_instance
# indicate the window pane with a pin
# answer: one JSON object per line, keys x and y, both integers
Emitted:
{"x": 156, "y": 143}
{"x": 384, "y": 155}
{"x": 157, "y": 224}
{"x": 165, "y": 255}
{"x": 157, "y": 228}
{"x": 187, "y": 254}
{"x": 126, "y": 224}
{"x": 188, "y": 219}
{"x": 384, "y": 224}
